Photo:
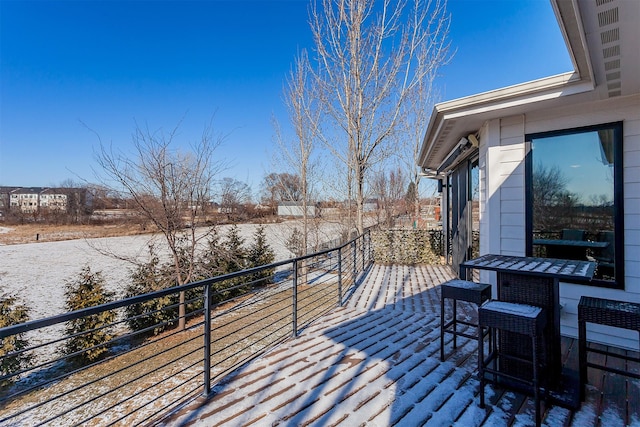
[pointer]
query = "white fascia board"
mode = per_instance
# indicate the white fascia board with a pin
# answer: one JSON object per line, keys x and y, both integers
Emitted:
{"x": 519, "y": 95}
{"x": 529, "y": 98}
{"x": 555, "y": 86}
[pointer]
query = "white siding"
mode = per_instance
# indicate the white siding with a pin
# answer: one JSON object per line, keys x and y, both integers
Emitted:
{"x": 511, "y": 169}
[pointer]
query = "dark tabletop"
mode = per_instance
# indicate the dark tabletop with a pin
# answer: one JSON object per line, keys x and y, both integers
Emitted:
{"x": 557, "y": 268}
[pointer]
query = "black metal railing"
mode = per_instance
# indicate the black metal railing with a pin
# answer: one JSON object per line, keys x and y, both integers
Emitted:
{"x": 148, "y": 367}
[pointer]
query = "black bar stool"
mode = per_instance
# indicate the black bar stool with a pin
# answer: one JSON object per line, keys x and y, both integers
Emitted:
{"x": 519, "y": 319}
{"x": 460, "y": 290}
{"x": 621, "y": 314}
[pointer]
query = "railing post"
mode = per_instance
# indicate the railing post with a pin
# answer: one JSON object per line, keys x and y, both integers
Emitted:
{"x": 363, "y": 251}
{"x": 207, "y": 340}
{"x": 295, "y": 297}
{"x": 355, "y": 261}
{"x": 340, "y": 277}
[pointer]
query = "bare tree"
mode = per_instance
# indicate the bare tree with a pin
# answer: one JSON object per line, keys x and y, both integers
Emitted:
{"x": 367, "y": 65}
{"x": 301, "y": 101}
{"x": 281, "y": 187}
{"x": 433, "y": 54}
{"x": 389, "y": 190}
{"x": 234, "y": 195}
{"x": 168, "y": 187}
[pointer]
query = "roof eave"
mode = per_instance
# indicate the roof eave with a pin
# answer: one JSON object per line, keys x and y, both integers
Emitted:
{"x": 499, "y": 102}
{"x": 502, "y": 100}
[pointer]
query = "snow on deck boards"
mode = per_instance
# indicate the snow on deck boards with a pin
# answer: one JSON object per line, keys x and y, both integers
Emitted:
{"x": 375, "y": 362}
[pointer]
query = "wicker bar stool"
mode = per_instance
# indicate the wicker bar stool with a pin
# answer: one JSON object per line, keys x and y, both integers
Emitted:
{"x": 620, "y": 314}
{"x": 525, "y": 320}
{"x": 460, "y": 290}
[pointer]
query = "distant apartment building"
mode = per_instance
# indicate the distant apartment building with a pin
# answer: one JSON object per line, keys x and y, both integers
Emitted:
{"x": 53, "y": 199}
{"x": 32, "y": 199}
{"x": 36, "y": 200}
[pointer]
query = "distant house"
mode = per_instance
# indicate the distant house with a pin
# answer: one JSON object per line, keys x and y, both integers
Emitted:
{"x": 553, "y": 157}
{"x": 370, "y": 205}
{"x": 295, "y": 209}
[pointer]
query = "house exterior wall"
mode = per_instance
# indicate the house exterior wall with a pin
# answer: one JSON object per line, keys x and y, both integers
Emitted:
{"x": 295, "y": 210}
{"x": 502, "y": 192}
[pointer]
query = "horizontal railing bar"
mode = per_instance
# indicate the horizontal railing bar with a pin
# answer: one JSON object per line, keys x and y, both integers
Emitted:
{"x": 190, "y": 393}
{"x": 35, "y": 406}
{"x": 109, "y": 358}
{"x": 245, "y": 337}
{"x": 252, "y": 356}
{"x": 320, "y": 276}
{"x": 113, "y": 390}
{"x": 186, "y": 398}
{"x": 186, "y": 381}
{"x": 49, "y": 321}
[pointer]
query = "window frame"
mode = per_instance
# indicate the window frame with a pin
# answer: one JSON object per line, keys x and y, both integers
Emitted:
{"x": 618, "y": 195}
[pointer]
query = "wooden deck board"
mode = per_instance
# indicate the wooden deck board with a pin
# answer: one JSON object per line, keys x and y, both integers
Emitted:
{"x": 376, "y": 361}
{"x": 633, "y": 387}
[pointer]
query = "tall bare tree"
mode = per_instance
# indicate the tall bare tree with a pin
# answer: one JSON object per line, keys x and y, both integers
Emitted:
{"x": 169, "y": 187}
{"x": 300, "y": 97}
{"x": 367, "y": 65}
{"x": 431, "y": 56}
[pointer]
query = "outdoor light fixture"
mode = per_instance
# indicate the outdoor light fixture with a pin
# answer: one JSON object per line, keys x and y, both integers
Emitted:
{"x": 473, "y": 140}
{"x": 462, "y": 145}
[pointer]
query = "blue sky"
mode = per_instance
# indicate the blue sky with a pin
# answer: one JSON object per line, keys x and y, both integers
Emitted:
{"x": 107, "y": 65}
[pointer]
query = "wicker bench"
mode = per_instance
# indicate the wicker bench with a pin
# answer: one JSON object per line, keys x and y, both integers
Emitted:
{"x": 460, "y": 290}
{"x": 619, "y": 314}
{"x": 522, "y": 319}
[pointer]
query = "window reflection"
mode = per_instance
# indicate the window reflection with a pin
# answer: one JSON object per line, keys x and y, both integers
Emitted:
{"x": 474, "y": 197}
{"x": 573, "y": 197}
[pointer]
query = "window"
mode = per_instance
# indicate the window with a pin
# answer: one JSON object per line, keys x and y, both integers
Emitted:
{"x": 574, "y": 198}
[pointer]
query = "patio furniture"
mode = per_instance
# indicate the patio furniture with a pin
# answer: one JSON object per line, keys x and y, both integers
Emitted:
{"x": 605, "y": 257}
{"x": 460, "y": 290}
{"x": 572, "y": 234}
{"x": 568, "y": 248}
{"x": 536, "y": 281}
{"x": 529, "y": 323}
{"x": 620, "y": 314}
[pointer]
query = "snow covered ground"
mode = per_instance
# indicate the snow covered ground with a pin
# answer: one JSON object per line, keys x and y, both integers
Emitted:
{"x": 36, "y": 273}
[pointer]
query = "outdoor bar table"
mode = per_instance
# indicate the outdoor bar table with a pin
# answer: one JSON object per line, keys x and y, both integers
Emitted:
{"x": 535, "y": 281}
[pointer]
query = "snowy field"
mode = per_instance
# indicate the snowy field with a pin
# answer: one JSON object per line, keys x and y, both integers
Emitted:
{"x": 36, "y": 273}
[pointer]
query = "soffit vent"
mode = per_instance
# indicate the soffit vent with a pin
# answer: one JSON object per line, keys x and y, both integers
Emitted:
{"x": 610, "y": 39}
{"x": 612, "y": 65}
{"x": 613, "y": 76}
{"x": 441, "y": 140}
{"x": 608, "y": 17}
{"x": 609, "y": 36}
{"x": 608, "y": 52}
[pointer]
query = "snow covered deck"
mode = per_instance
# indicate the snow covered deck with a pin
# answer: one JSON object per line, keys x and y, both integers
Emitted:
{"x": 375, "y": 361}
